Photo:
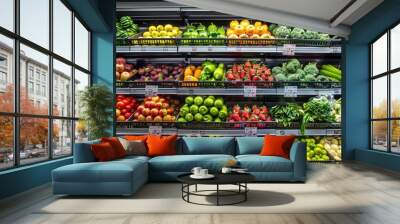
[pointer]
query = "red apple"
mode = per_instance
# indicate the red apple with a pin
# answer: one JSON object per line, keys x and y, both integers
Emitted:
{"x": 158, "y": 119}
{"x": 163, "y": 112}
{"x": 158, "y": 105}
{"x": 120, "y": 68}
{"x": 146, "y": 111}
{"x": 128, "y": 115}
{"x": 170, "y": 110}
{"x": 120, "y": 105}
{"x": 165, "y": 105}
{"x": 120, "y": 60}
{"x": 124, "y": 111}
{"x": 141, "y": 117}
{"x": 149, "y": 118}
{"x": 147, "y": 104}
{"x": 154, "y": 112}
{"x": 136, "y": 115}
{"x": 140, "y": 109}
{"x": 155, "y": 98}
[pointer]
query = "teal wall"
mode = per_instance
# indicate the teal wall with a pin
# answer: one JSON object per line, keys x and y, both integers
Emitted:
{"x": 356, "y": 114}
{"x": 98, "y": 15}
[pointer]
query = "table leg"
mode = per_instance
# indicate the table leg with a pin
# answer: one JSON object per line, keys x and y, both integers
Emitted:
{"x": 195, "y": 188}
{"x": 217, "y": 194}
{"x": 245, "y": 193}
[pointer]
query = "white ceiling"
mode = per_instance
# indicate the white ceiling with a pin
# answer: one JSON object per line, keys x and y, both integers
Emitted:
{"x": 317, "y": 15}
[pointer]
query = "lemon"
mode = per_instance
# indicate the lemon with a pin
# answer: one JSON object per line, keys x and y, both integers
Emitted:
{"x": 175, "y": 28}
{"x": 160, "y": 28}
{"x": 168, "y": 27}
{"x": 147, "y": 34}
{"x": 152, "y": 28}
{"x": 155, "y": 33}
{"x": 163, "y": 33}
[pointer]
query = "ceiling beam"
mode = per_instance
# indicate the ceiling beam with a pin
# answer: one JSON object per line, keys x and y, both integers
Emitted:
{"x": 346, "y": 12}
{"x": 267, "y": 14}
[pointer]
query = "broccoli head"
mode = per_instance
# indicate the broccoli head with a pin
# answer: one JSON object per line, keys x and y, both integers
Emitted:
{"x": 297, "y": 33}
{"x": 277, "y": 70}
{"x": 293, "y": 65}
{"x": 282, "y": 32}
{"x": 322, "y": 78}
{"x": 324, "y": 36}
{"x": 310, "y": 78}
{"x": 293, "y": 77}
{"x": 311, "y": 35}
{"x": 301, "y": 73}
{"x": 311, "y": 68}
{"x": 280, "y": 77}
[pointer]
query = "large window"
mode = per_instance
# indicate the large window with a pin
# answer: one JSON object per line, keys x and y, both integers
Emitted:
{"x": 385, "y": 94}
{"x": 40, "y": 80}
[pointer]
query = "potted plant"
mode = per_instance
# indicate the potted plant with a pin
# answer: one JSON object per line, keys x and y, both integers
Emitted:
{"x": 96, "y": 102}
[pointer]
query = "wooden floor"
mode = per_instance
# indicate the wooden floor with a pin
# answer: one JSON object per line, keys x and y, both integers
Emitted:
{"x": 377, "y": 188}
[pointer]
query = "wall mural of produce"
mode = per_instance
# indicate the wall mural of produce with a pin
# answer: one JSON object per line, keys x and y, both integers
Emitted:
{"x": 224, "y": 72}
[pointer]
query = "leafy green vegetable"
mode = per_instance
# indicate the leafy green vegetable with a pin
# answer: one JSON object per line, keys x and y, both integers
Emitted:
{"x": 318, "y": 109}
{"x": 293, "y": 77}
{"x": 297, "y": 33}
{"x": 324, "y": 36}
{"x": 280, "y": 77}
{"x": 285, "y": 114}
{"x": 293, "y": 65}
{"x": 276, "y": 70}
{"x": 311, "y": 68}
{"x": 310, "y": 78}
{"x": 282, "y": 32}
{"x": 311, "y": 35}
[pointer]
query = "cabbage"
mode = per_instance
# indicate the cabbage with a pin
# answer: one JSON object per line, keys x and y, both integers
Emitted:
{"x": 311, "y": 35}
{"x": 280, "y": 77}
{"x": 297, "y": 33}
{"x": 276, "y": 70}
{"x": 282, "y": 32}
{"x": 293, "y": 65}
{"x": 293, "y": 77}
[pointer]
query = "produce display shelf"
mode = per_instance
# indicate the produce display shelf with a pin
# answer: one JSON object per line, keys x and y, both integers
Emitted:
{"x": 230, "y": 91}
{"x": 225, "y": 49}
{"x": 225, "y": 125}
{"x": 228, "y": 132}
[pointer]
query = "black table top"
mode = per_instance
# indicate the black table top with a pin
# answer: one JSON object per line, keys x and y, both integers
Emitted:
{"x": 220, "y": 178}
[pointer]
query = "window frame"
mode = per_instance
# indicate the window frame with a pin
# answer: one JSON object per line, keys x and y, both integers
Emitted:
{"x": 15, "y": 68}
{"x": 388, "y": 74}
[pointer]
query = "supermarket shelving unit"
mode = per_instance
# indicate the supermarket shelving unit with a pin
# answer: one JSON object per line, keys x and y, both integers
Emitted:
{"x": 227, "y": 51}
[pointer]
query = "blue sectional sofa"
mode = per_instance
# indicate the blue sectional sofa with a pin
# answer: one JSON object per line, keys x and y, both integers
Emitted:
{"x": 125, "y": 176}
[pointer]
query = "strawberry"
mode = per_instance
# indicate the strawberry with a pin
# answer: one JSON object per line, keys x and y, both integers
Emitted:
{"x": 262, "y": 117}
{"x": 247, "y": 63}
{"x": 236, "y": 117}
{"x": 256, "y": 111}
{"x": 245, "y": 115}
{"x": 230, "y": 76}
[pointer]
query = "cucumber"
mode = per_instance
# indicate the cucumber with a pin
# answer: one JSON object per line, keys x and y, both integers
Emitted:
{"x": 330, "y": 74}
{"x": 332, "y": 69}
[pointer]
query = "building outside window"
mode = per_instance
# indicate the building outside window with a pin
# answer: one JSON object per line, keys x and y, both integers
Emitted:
{"x": 56, "y": 127}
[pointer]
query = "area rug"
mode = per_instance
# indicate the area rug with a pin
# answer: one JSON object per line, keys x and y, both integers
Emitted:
{"x": 166, "y": 198}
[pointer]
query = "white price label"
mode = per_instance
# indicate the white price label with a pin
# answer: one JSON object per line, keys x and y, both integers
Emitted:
{"x": 333, "y": 132}
{"x": 209, "y": 49}
{"x": 288, "y": 49}
{"x": 249, "y": 91}
{"x": 194, "y": 49}
{"x": 250, "y": 131}
{"x": 151, "y": 90}
{"x": 155, "y": 130}
{"x": 290, "y": 91}
{"x": 326, "y": 93}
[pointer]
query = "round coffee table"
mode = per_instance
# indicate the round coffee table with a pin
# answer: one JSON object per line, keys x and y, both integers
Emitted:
{"x": 238, "y": 179}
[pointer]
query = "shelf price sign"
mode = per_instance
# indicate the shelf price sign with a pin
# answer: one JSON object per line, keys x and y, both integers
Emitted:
{"x": 288, "y": 49}
{"x": 155, "y": 130}
{"x": 290, "y": 91}
{"x": 250, "y": 131}
{"x": 249, "y": 91}
{"x": 280, "y": 132}
{"x": 151, "y": 90}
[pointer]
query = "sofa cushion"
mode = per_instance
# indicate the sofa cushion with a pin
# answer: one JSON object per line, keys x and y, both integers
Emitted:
{"x": 83, "y": 152}
{"x": 257, "y": 163}
{"x": 116, "y": 145}
{"x": 185, "y": 163}
{"x": 249, "y": 145}
{"x": 112, "y": 171}
{"x": 208, "y": 145}
{"x": 103, "y": 152}
{"x": 161, "y": 145}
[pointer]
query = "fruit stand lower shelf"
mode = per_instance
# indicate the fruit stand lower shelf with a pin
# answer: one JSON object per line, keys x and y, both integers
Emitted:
{"x": 225, "y": 49}
{"x": 227, "y": 132}
{"x": 230, "y": 91}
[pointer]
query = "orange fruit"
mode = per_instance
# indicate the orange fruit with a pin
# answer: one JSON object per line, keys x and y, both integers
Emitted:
{"x": 265, "y": 28}
{"x": 243, "y": 35}
{"x": 233, "y": 24}
{"x": 257, "y": 24}
{"x": 250, "y": 30}
{"x": 244, "y": 22}
{"x": 239, "y": 29}
{"x": 229, "y": 32}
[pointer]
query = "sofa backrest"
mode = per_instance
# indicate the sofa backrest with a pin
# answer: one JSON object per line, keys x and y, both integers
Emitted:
{"x": 83, "y": 152}
{"x": 249, "y": 145}
{"x": 208, "y": 145}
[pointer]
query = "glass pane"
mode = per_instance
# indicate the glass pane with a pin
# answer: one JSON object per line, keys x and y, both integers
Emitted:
{"x": 81, "y": 45}
{"x": 395, "y": 47}
{"x": 81, "y": 132}
{"x": 34, "y": 92}
{"x": 33, "y": 139}
{"x": 62, "y": 29}
{"x": 379, "y": 56}
{"x": 81, "y": 81}
{"x": 35, "y": 21}
{"x": 6, "y": 74}
{"x": 7, "y": 14}
{"x": 62, "y": 138}
{"x": 6, "y": 142}
{"x": 379, "y": 135}
{"x": 395, "y": 136}
{"x": 62, "y": 89}
{"x": 379, "y": 97}
{"x": 395, "y": 95}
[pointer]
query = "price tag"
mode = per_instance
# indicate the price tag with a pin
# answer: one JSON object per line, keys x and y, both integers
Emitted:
{"x": 238, "y": 49}
{"x": 151, "y": 90}
{"x": 249, "y": 91}
{"x": 194, "y": 49}
{"x": 209, "y": 49}
{"x": 250, "y": 131}
{"x": 333, "y": 132}
{"x": 155, "y": 130}
{"x": 326, "y": 93}
{"x": 290, "y": 91}
{"x": 288, "y": 49}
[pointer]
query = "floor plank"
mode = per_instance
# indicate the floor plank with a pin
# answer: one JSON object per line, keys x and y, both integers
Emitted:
{"x": 376, "y": 189}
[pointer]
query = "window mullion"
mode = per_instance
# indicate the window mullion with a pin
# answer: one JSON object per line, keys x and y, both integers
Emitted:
{"x": 389, "y": 104}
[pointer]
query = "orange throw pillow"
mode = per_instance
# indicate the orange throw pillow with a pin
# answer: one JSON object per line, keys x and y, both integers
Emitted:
{"x": 136, "y": 137}
{"x": 277, "y": 145}
{"x": 161, "y": 145}
{"x": 103, "y": 152}
{"x": 116, "y": 145}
